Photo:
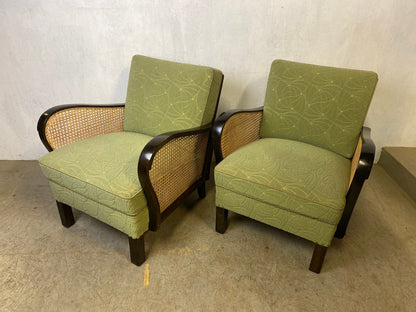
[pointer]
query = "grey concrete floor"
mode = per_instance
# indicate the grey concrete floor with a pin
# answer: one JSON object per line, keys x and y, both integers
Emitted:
{"x": 252, "y": 267}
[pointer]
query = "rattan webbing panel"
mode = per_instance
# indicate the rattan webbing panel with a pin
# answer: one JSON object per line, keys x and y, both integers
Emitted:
{"x": 78, "y": 123}
{"x": 240, "y": 129}
{"x": 355, "y": 159}
{"x": 176, "y": 166}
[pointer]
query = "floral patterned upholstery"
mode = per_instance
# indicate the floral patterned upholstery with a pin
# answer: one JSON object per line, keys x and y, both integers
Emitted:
{"x": 102, "y": 168}
{"x": 320, "y": 105}
{"x": 288, "y": 174}
{"x": 284, "y": 175}
{"x": 165, "y": 96}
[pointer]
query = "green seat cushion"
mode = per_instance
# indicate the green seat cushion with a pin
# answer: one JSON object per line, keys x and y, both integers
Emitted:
{"x": 102, "y": 169}
{"x": 320, "y": 105}
{"x": 133, "y": 226}
{"x": 165, "y": 96}
{"x": 303, "y": 226}
{"x": 289, "y": 175}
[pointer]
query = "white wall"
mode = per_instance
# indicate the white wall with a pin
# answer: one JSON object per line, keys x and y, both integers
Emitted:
{"x": 55, "y": 52}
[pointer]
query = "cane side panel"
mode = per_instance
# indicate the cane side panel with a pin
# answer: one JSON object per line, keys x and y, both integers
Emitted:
{"x": 240, "y": 129}
{"x": 355, "y": 159}
{"x": 176, "y": 166}
{"x": 78, "y": 123}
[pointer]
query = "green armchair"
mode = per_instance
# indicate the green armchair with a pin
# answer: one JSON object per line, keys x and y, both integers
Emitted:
{"x": 299, "y": 162}
{"x": 131, "y": 165}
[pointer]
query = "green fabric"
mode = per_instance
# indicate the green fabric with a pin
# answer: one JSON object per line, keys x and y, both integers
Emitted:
{"x": 289, "y": 175}
{"x": 164, "y": 96}
{"x": 319, "y": 105}
{"x": 102, "y": 169}
{"x": 311, "y": 229}
{"x": 133, "y": 226}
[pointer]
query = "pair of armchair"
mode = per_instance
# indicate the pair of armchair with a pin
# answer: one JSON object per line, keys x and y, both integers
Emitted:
{"x": 297, "y": 164}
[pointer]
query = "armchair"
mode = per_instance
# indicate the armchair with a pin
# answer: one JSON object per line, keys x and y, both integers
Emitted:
{"x": 130, "y": 165}
{"x": 299, "y": 162}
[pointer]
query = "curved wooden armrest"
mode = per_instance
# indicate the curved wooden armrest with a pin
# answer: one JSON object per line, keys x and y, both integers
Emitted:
{"x": 171, "y": 166}
{"x": 234, "y": 129}
{"x": 361, "y": 165}
{"x": 366, "y": 156}
{"x": 64, "y": 124}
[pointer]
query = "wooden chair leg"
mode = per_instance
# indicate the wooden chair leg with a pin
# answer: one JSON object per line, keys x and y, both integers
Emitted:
{"x": 137, "y": 255}
{"x": 65, "y": 212}
{"x": 221, "y": 222}
{"x": 317, "y": 258}
{"x": 201, "y": 191}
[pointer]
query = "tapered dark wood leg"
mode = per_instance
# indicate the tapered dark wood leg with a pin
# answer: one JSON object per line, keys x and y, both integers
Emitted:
{"x": 65, "y": 212}
{"x": 137, "y": 256}
{"x": 351, "y": 199}
{"x": 201, "y": 191}
{"x": 221, "y": 222}
{"x": 317, "y": 258}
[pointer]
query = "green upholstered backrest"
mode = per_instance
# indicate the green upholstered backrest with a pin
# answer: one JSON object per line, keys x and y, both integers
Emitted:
{"x": 320, "y": 105}
{"x": 165, "y": 96}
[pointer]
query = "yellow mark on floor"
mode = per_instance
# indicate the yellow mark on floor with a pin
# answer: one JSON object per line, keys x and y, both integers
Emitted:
{"x": 202, "y": 249}
{"x": 146, "y": 275}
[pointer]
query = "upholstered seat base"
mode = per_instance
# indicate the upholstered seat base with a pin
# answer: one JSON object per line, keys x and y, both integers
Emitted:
{"x": 102, "y": 168}
{"x": 290, "y": 185}
{"x": 311, "y": 229}
{"x": 294, "y": 176}
{"x": 133, "y": 226}
{"x": 99, "y": 177}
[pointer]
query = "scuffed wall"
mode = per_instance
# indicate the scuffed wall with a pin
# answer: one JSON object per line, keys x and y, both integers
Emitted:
{"x": 55, "y": 52}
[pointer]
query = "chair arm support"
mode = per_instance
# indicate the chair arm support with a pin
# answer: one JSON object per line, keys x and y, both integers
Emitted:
{"x": 366, "y": 160}
{"x": 171, "y": 165}
{"x": 234, "y": 129}
{"x": 64, "y": 124}
{"x": 360, "y": 173}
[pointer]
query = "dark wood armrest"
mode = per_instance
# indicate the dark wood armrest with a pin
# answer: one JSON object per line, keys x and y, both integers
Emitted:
{"x": 64, "y": 124}
{"x": 366, "y": 160}
{"x": 171, "y": 166}
{"x": 234, "y": 129}
{"x": 363, "y": 164}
